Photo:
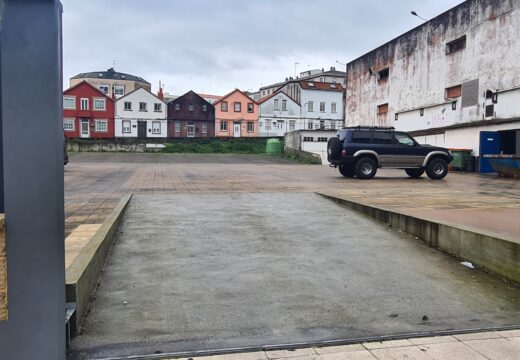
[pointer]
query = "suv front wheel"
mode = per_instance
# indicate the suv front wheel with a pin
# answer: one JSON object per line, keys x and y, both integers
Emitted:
{"x": 365, "y": 168}
{"x": 437, "y": 168}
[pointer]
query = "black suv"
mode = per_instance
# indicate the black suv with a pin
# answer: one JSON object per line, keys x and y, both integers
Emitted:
{"x": 359, "y": 151}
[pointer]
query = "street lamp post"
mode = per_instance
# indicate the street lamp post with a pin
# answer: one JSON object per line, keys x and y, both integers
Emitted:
{"x": 414, "y": 13}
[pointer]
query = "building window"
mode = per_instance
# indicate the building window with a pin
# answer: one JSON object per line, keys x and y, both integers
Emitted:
{"x": 309, "y": 125}
{"x": 142, "y": 106}
{"x": 382, "y": 109}
{"x": 490, "y": 110}
{"x": 268, "y": 124}
{"x": 99, "y": 104}
{"x": 128, "y": 106}
{"x": 223, "y": 126}
{"x": 250, "y": 107}
{"x": 157, "y": 107}
{"x": 68, "y": 124}
{"x": 322, "y": 139}
{"x": 84, "y": 104}
{"x": 119, "y": 90}
{"x": 177, "y": 107}
{"x": 126, "y": 126}
{"x": 310, "y": 106}
{"x": 456, "y": 45}
{"x": 284, "y": 105}
{"x": 322, "y": 106}
{"x": 177, "y": 126}
{"x": 276, "y": 105}
{"x": 237, "y": 106}
{"x": 156, "y": 127}
{"x": 204, "y": 127}
{"x": 101, "y": 125}
{"x": 292, "y": 125}
{"x": 383, "y": 74}
{"x": 104, "y": 88}
{"x": 204, "y": 107}
{"x": 453, "y": 92}
{"x": 308, "y": 139}
{"x": 69, "y": 102}
{"x": 190, "y": 107}
{"x": 223, "y": 106}
{"x": 333, "y": 107}
{"x": 250, "y": 126}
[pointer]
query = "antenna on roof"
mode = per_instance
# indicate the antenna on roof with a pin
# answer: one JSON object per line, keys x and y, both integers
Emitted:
{"x": 113, "y": 64}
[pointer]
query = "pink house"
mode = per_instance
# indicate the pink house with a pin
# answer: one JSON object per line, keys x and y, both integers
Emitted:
{"x": 236, "y": 115}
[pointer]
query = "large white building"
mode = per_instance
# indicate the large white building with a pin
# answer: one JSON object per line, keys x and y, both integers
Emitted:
{"x": 140, "y": 114}
{"x": 453, "y": 81}
{"x": 278, "y": 114}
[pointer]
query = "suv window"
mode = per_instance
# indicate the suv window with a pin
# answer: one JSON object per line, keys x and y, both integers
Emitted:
{"x": 404, "y": 139}
{"x": 342, "y": 134}
{"x": 380, "y": 137}
{"x": 361, "y": 137}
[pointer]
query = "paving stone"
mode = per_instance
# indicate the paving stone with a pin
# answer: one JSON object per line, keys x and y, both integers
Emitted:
{"x": 432, "y": 340}
{"x": 496, "y": 349}
{"x": 258, "y": 355}
{"x": 477, "y": 336}
{"x": 398, "y": 353}
{"x": 387, "y": 344}
{"x": 277, "y": 354}
{"x": 349, "y": 355}
{"x": 452, "y": 351}
{"x": 338, "y": 349}
{"x": 509, "y": 333}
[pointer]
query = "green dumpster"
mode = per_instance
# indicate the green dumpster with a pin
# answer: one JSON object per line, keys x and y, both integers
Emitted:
{"x": 273, "y": 147}
{"x": 458, "y": 158}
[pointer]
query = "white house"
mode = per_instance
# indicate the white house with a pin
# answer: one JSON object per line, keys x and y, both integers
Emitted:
{"x": 278, "y": 114}
{"x": 140, "y": 114}
{"x": 321, "y": 103}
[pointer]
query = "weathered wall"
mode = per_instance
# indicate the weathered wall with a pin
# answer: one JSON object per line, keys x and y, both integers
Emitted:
{"x": 3, "y": 273}
{"x": 421, "y": 70}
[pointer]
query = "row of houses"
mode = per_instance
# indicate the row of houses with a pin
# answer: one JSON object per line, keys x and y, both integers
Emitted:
{"x": 116, "y": 105}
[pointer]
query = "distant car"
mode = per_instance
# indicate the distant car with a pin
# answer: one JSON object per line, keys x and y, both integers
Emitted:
{"x": 360, "y": 151}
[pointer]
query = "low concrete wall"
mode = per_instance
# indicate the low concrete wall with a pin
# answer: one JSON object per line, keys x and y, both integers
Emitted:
{"x": 3, "y": 272}
{"x": 497, "y": 255}
{"x": 303, "y": 156}
{"x": 83, "y": 274}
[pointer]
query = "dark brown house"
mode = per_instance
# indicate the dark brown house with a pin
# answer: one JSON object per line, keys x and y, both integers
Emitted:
{"x": 191, "y": 116}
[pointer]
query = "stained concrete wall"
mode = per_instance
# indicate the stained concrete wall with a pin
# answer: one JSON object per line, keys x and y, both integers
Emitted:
{"x": 421, "y": 70}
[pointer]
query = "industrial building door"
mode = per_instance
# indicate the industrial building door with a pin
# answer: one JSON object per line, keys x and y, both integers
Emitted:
{"x": 489, "y": 145}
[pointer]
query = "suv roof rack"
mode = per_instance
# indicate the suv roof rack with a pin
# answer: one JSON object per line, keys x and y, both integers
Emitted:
{"x": 370, "y": 128}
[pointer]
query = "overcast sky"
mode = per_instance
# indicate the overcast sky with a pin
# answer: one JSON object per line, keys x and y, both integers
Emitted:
{"x": 214, "y": 46}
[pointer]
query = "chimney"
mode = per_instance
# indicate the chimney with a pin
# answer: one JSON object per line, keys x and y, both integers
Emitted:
{"x": 160, "y": 94}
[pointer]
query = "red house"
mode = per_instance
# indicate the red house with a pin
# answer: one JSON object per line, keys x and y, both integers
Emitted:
{"x": 87, "y": 112}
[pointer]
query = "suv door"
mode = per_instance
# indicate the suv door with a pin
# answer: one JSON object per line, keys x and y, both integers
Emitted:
{"x": 383, "y": 144}
{"x": 409, "y": 153}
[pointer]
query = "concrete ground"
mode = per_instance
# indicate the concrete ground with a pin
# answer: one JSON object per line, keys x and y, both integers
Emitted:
{"x": 210, "y": 270}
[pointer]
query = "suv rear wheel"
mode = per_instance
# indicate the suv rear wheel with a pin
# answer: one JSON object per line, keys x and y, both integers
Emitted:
{"x": 414, "y": 173}
{"x": 346, "y": 171}
{"x": 365, "y": 168}
{"x": 437, "y": 168}
{"x": 334, "y": 149}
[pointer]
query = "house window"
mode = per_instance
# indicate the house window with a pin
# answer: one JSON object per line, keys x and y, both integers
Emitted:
{"x": 126, "y": 126}
{"x": 177, "y": 107}
{"x": 308, "y": 139}
{"x": 490, "y": 110}
{"x": 322, "y": 139}
{"x": 268, "y": 124}
{"x": 190, "y": 107}
{"x": 204, "y": 127}
{"x": 284, "y": 105}
{"x": 119, "y": 90}
{"x": 382, "y": 109}
{"x": 101, "y": 125}
{"x": 456, "y": 45}
{"x": 104, "y": 88}
{"x": 453, "y": 92}
{"x": 223, "y": 126}
{"x": 69, "y": 102}
{"x": 383, "y": 74}
{"x": 68, "y": 124}
{"x": 84, "y": 104}
{"x": 237, "y": 106}
{"x": 142, "y": 106}
{"x": 333, "y": 107}
{"x": 156, "y": 127}
{"x": 204, "y": 108}
{"x": 310, "y": 106}
{"x": 99, "y": 104}
{"x": 250, "y": 126}
{"x": 309, "y": 125}
{"x": 157, "y": 107}
{"x": 322, "y": 106}
{"x": 223, "y": 106}
{"x": 292, "y": 125}
{"x": 128, "y": 106}
{"x": 250, "y": 107}
{"x": 177, "y": 126}
{"x": 276, "y": 106}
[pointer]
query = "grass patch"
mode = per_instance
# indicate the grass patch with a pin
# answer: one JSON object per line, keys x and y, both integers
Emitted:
{"x": 217, "y": 146}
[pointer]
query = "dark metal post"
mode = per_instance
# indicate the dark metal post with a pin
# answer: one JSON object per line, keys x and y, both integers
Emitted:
{"x": 31, "y": 83}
